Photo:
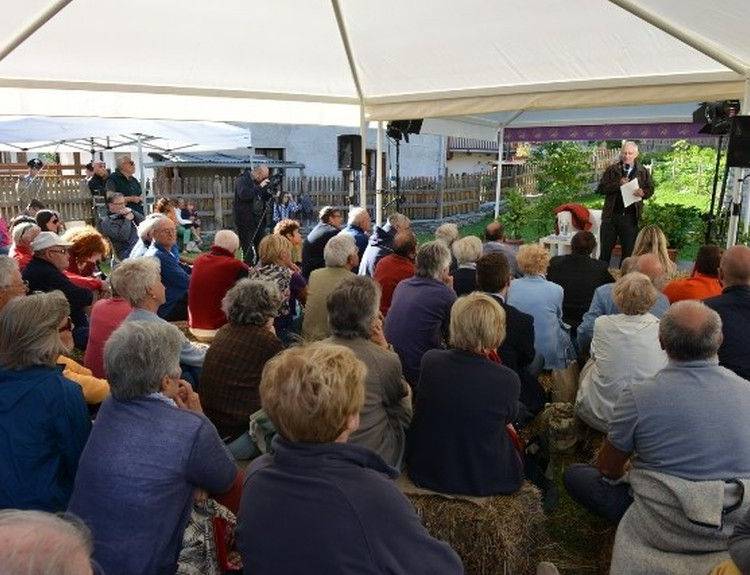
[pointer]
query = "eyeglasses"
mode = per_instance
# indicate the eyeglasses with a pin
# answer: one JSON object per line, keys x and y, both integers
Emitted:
{"x": 59, "y": 251}
{"x": 67, "y": 327}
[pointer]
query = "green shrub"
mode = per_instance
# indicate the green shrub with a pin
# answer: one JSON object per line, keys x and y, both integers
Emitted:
{"x": 516, "y": 213}
{"x": 683, "y": 225}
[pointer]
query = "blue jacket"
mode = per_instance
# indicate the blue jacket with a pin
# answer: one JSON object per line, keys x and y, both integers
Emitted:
{"x": 360, "y": 238}
{"x": 332, "y": 508}
{"x": 733, "y": 306}
{"x": 174, "y": 275}
{"x": 603, "y": 304}
{"x": 44, "y": 425}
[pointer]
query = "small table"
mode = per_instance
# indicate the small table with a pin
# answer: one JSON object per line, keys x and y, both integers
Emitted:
{"x": 558, "y": 245}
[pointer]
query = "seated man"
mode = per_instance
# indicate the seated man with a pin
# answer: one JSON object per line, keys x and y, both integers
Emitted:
{"x": 342, "y": 512}
{"x": 145, "y": 237}
{"x": 679, "y": 422}
{"x": 603, "y": 303}
{"x": 579, "y": 275}
{"x": 120, "y": 226}
{"x": 381, "y": 242}
{"x": 353, "y": 314}
{"x": 733, "y": 306}
{"x": 421, "y": 307}
{"x": 396, "y": 266}
{"x": 214, "y": 273}
{"x": 315, "y": 242}
{"x": 358, "y": 227}
{"x": 494, "y": 241}
{"x": 45, "y": 273}
{"x": 704, "y": 283}
{"x": 174, "y": 274}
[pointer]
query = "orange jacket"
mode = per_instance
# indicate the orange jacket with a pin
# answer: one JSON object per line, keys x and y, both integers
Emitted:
{"x": 698, "y": 286}
{"x": 95, "y": 390}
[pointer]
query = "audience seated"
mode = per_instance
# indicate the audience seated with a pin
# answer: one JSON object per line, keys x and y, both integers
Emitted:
{"x": 150, "y": 450}
{"x": 651, "y": 240}
{"x": 49, "y": 221}
{"x": 329, "y": 224}
{"x": 494, "y": 241}
{"x": 290, "y": 230}
{"x": 517, "y": 348}
{"x": 44, "y": 423}
{"x": 23, "y": 234}
{"x": 396, "y": 266}
{"x": 145, "y": 237}
{"x": 704, "y": 281}
{"x": 169, "y": 208}
{"x": 542, "y": 299}
{"x": 681, "y": 422}
{"x": 625, "y": 349}
{"x": 380, "y": 243}
{"x": 733, "y": 306}
{"x": 458, "y": 442}
{"x": 353, "y": 313}
{"x": 358, "y": 227}
{"x": 12, "y": 284}
{"x": 579, "y": 275}
{"x": 342, "y": 511}
{"x": 45, "y": 273}
{"x": 214, "y": 273}
{"x": 106, "y": 316}
{"x": 603, "y": 303}
{"x": 419, "y": 315}
{"x": 37, "y": 543}
{"x": 341, "y": 257}
{"x": 174, "y": 274}
{"x": 448, "y": 234}
{"x": 120, "y": 226}
{"x": 234, "y": 363}
{"x": 87, "y": 249}
{"x": 139, "y": 282}
{"x": 275, "y": 265}
{"x": 466, "y": 251}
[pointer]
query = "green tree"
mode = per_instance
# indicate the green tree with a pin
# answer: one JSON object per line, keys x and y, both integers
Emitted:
{"x": 685, "y": 174}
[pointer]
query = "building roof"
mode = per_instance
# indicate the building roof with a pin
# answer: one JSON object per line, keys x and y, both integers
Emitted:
{"x": 218, "y": 160}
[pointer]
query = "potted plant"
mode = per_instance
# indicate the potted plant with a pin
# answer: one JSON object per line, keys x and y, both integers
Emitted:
{"x": 682, "y": 225}
{"x": 515, "y": 214}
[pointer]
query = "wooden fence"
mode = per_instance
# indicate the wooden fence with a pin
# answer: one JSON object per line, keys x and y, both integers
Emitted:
{"x": 61, "y": 193}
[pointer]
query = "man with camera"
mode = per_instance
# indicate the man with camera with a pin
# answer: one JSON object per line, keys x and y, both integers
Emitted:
{"x": 120, "y": 226}
{"x": 252, "y": 192}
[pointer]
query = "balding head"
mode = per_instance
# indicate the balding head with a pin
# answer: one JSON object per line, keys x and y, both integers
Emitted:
{"x": 228, "y": 240}
{"x": 690, "y": 331}
{"x": 494, "y": 232}
{"x": 650, "y": 265}
{"x": 735, "y": 266}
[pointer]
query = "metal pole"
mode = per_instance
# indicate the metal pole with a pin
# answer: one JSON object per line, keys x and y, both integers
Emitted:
{"x": 734, "y": 217}
{"x": 363, "y": 165}
{"x": 28, "y": 30}
{"x": 498, "y": 184}
{"x": 379, "y": 177}
{"x": 746, "y": 110}
{"x": 141, "y": 174}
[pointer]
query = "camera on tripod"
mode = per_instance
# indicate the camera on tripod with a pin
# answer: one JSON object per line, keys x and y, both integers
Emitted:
{"x": 274, "y": 184}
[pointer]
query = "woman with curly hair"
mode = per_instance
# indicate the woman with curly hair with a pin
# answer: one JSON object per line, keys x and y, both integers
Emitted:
{"x": 651, "y": 239}
{"x": 88, "y": 249}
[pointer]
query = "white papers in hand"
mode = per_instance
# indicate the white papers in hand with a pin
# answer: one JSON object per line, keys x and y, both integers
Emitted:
{"x": 628, "y": 197}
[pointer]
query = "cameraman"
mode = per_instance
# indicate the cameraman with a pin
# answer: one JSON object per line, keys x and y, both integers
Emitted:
{"x": 251, "y": 213}
{"x": 120, "y": 226}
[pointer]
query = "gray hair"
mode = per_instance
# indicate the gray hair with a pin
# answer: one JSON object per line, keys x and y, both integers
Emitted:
{"x": 356, "y": 213}
{"x": 7, "y": 267}
{"x": 251, "y": 302}
{"x": 447, "y": 233}
{"x": 634, "y": 294}
{"x": 132, "y": 278}
{"x": 629, "y": 144}
{"x": 352, "y": 307}
{"x": 29, "y": 330}
{"x": 338, "y": 249}
{"x": 20, "y": 230}
{"x": 227, "y": 240}
{"x": 432, "y": 259}
{"x": 39, "y": 543}
{"x": 690, "y": 330}
{"x": 114, "y": 196}
{"x": 399, "y": 221}
{"x": 138, "y": 355}
{"x": 146, "y": 227}
{"x": 467, "y": 250}
{"x": 123, "y": 160}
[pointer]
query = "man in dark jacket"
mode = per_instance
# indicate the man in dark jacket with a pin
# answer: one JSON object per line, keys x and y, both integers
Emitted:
{"x": 120, "y": 226}
{"x": 733, "y": 306}
{"x": 123, "y": 181}
{"x": 619, "y": 221}
{"x": 579, "y": 275}
{"x": 381, "y": 242}
{"x": 250, "y": 210}
{"x": 315, "y": 242}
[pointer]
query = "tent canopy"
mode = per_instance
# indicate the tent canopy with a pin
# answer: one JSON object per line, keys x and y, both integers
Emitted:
{"x": 316, "y": 61}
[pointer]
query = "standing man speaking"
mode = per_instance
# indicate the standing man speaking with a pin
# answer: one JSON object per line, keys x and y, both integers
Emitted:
{"x": 619, "y": 221}
{"x": 251, "y": 195}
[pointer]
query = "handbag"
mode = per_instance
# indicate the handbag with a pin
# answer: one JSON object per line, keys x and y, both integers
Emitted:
{"x": 208, "y": 545}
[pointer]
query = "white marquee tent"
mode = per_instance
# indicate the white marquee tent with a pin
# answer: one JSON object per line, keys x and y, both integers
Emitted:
{"x": 333, "y": 62}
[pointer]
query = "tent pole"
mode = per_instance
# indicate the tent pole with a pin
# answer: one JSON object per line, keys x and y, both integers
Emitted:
{"x": 379, "y": 177}
{"x": 363, "y": 159}
{"x": 746, "y": 201}
{"x": 141, "y": 170}
{"x": 28, "y": 30}
{"x": 498, "y": 184}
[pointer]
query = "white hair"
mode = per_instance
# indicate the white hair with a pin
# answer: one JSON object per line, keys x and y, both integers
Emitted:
{"x": 132, "y": 278}
{"x": 447, "y": 233}
{"x": 433, "y": 258}
{"x": 20, "y": 230}
{"x": 467, "y": 250}
{"x": 356, "y": 214}
{"x": 227, "y": 239}
{"x": 629, "y": 144}
{"x": 338, "y": 250}
{"x": 146, "y": 227}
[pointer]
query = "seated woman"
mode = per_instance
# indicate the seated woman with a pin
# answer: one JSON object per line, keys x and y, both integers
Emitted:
{"x": 354, "y": 317}
{"x": 150, "y": 450}
{"x": 458, "y": 441}
{"x": 23, "y": 234}
{"x": 275, "y": 266}
{"x": 625, "y": 349}
{"x": 234, "y": 363}
{"x": 651, "y": 240}
{"x": 88, "y": 249}
{"x": 466, "y": 251}
{"x": 43, "y": 417}
{"x": 290, "y": 230}
{"x": 542, "y": 299}
{"x": 342, "y": 512}
{"x": 50, "y": 221}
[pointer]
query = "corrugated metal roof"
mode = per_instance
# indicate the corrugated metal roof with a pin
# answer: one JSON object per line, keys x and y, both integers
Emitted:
{"x": 218, "y": 160}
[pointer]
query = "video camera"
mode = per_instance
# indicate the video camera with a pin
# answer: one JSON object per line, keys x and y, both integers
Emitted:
{"x": 274, "y": 184}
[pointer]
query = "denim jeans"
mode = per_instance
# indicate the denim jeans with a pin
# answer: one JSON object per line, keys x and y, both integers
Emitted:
{"x": 588, "y": 487}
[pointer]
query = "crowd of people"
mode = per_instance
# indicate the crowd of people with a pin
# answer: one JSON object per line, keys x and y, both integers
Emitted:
{"x": 334, "y": 363}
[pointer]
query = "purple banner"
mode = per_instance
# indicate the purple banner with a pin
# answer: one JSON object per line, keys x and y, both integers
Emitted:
{"x": 684, "y": 130}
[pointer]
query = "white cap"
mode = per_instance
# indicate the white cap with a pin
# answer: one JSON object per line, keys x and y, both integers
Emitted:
{"x": 47, "y": 240}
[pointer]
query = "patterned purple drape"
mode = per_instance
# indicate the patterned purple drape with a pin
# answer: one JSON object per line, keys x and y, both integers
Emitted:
{"x": 684, "y": 130}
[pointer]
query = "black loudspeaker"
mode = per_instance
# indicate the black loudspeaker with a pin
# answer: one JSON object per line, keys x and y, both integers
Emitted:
{"x": 350, "y": 152}
{"x": 738, "y": 153}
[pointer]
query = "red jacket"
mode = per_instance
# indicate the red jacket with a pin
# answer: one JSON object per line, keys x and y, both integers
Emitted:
{"x": 388, "y": 272}
{"x": 213, "y": 275}
{"x": 23, "y": 257}
{"x": 579, "y": 213}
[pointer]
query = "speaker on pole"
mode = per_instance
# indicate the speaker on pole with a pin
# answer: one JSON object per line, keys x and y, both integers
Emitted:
{"x": 350, "y": 152}
{"x": 738, "y": 154}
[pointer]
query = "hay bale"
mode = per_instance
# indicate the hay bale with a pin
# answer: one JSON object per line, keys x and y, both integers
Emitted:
{"x": 491, "y": 534}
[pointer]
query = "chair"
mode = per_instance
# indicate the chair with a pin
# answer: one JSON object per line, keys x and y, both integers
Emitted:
{"x": 595, "y": 217}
